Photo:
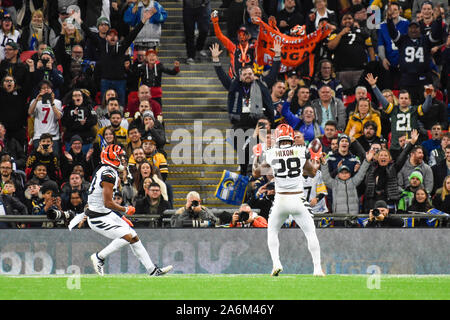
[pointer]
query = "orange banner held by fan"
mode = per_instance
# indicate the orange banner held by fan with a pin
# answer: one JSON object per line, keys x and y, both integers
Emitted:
{"x": 295, "y": 50}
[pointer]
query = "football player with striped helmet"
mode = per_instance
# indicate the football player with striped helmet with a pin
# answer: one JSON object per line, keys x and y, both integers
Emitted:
{"x": 288, "y": 165}
{"x": 108, "y": 218}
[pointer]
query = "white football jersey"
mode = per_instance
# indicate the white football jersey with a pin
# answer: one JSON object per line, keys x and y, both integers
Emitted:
{"x": 287, "y": 166}
{"x": 95, "y": 196}
{"x": 312, "y": 187}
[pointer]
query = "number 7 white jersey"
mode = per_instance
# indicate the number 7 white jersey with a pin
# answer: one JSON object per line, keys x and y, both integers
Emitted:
{"x": 287, "y": 166}
{"x": 95, "y": 197}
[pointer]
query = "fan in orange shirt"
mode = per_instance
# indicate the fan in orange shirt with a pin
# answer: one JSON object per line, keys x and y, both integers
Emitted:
{"x": 242, "y": 53}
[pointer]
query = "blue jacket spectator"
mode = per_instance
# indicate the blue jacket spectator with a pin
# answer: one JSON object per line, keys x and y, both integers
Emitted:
{"x": 150, "y": 34}
{"x": 308, "y": 125}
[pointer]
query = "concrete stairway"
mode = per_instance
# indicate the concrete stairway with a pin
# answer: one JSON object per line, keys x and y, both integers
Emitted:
{"x": 194, "y": 95}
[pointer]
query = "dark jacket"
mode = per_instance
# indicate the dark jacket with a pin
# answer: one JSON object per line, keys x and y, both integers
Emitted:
{"x": 235, "y": 96}
{"x": 71, "y": 121}
{"x": 50, "y": 161}
{"x": 441, "y": 205}
{"x": 18, "y": 70}
{"x": 440, "y": 171}
{"x": 14, "y": 109}
{"x": 291, "y": 18}
{"x": 152, "y": 75}
{"x": 112, "y": 58}
{"x": 437, "y": 112}
{"x": 143, "y": 206}
{"x": 77, "y": 159}
{"x": 157, "y": 132}
{"x": 16, "y": 151}
{"x": 12, "y": 206}
{"x": 389, "y": 222}
{"x": 391, "y": 191}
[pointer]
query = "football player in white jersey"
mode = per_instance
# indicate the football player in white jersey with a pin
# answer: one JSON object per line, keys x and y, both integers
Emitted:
{"x": 104, "y": 214}
{"x": 288, "y": 163}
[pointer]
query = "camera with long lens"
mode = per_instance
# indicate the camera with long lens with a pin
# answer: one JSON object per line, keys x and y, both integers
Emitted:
{"x": 58, "y": 215}
{"x": 243, "y": 216}
{"x": 376, "y": 212}
{"x": 197, "y": 223}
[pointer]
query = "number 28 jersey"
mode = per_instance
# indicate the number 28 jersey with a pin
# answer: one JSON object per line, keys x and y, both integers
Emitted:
{"x": 287, "y": 165}
{"x": 95, "y": 197}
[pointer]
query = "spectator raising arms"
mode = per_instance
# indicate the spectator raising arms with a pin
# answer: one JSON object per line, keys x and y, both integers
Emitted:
{"x": 405, "y": 117}
{"x": 149, "y": 36}
{"x": 240, "y": 53}
{"x": 363, "y": 114}
{"x": 415, "y": 54}
{"x": 112, "y": 55}
{"x": 150, "y": 74}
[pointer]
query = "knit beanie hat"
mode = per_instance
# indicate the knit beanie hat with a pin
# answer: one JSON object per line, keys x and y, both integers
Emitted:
{"x": 416, "y": 174}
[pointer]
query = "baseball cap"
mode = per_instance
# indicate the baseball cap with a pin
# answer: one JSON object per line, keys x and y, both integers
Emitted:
{"x": 292, "y": 73}
{"x": 13, "y": 45}
{"x": 414, "y": 22}
{"x": 381, "y": 204}
{"x": 62, "y": 10}
{"x": 113, "y": 31}
{"x": 243, "y": 29}
{"x": 148, "y": 139}
{"x": 342, "y": 168}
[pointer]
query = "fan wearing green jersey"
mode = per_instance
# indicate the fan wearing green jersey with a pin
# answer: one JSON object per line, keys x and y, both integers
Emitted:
{"x": 405, "y": 117}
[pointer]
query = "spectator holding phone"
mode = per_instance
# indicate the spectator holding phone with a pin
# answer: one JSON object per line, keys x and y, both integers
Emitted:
{"x": 46, "y": 111}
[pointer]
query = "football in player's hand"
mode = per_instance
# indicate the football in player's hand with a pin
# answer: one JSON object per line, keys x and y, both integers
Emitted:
{"x": 315, "y": 145}
{"x": 315, "y": 149}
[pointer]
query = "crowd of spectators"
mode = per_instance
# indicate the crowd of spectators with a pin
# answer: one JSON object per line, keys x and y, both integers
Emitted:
{"x": 377, "y": 102}
{"x": 78, "y": 75}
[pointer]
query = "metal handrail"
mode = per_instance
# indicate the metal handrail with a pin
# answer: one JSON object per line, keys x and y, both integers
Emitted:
{"x": 169, "y": 212}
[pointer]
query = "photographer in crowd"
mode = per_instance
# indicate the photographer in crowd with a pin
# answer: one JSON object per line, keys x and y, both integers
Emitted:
{"x": 379, "y": 217}
{"x": 246, "y": 218}
{"x": 193, "y": 214}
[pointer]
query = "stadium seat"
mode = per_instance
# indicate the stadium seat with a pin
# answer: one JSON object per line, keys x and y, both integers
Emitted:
{"x": 348, "y": 99}
{"x": 24, "y": 56}
{"x": 98, "y": 98}
{"x": 439, "y": 95}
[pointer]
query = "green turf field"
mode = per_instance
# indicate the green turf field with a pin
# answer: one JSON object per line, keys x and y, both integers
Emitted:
{"x": 225, "y": 287}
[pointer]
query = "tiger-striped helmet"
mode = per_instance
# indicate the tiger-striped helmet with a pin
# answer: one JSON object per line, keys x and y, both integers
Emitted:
{"x": 298, "y": 31}
{"x": 112, "y": 155}
{"x": 284, "y": 132}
